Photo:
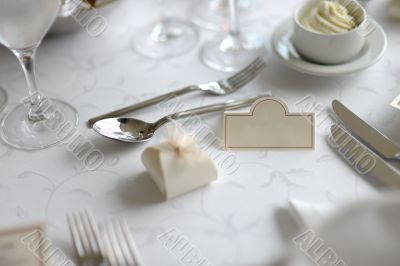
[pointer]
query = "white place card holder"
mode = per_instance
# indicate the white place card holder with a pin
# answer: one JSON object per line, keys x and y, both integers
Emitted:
{"x": 23, "y": 246}
{"x": 268, "y": 125}
{"x": 179, "y": 165}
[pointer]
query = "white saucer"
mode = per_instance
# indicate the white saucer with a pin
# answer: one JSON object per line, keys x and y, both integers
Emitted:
{"x": 373, "y": 50}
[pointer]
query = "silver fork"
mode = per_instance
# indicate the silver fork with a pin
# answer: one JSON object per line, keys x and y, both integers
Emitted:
{"x": 221, "y": 87}
{"x": 86, "y": 238}
{"x": 119, "y": 245}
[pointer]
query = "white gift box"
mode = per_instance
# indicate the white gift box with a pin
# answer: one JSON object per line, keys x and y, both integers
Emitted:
{"x": 179, "y": 167}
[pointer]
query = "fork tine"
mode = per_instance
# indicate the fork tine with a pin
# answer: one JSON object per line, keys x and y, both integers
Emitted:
{"x": 129, "y": 258}
{"x": 114, "y": 244}
{"x": 82, "y": 234}
{"x": 83, "y": 248}
{"x": 111, "y": 256}
{"x": 93, "y": 232}
{"x": 256, "y": 65}
{"x": 246, "y": 79}
{"x": 250, "y": 76}
{"x": 85, "y": 237}
{"x": 247, "y": 70}
{"x": 131, "y": 243}
{"x": 120, "y": 245}
{"x": 89, "y": 236}
{"x": 75, "y": 236}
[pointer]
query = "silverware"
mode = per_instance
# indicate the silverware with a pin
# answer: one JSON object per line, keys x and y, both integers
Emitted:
{"x": 119, "y": 244}
{"x": 86, "y": 238}
{"x": 364, "y": 160}
{"x": 135, "y": 130}
{"x": 366, "y": 133}
{"x": 221, "y": 87}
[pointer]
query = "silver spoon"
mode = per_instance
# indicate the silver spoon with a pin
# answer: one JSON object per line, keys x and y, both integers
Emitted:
{"x": 135, "y": 130}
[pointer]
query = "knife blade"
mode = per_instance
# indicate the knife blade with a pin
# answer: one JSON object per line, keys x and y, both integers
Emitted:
{"x": 366, "y": 133}
{"x": 362, "y": 159}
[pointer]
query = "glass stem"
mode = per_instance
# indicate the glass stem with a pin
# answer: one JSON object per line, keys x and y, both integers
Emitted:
{"x": 27, "y": 59}
{"x": 159, "y": 32}
{"x": 233, "y": 41}
{"x": 163, "y": 9}
{"x": 233, "y": 19}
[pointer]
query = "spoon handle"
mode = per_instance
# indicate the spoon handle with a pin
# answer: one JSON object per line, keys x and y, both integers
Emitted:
{"x": 231, "y": 104}
{"x": 140, "y": 105}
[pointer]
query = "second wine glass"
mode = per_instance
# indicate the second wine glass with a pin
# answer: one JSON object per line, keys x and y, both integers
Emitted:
{"x": 236, "y": 49}
{"x": 166, "y": 37}
{"x": 213, "y": 14}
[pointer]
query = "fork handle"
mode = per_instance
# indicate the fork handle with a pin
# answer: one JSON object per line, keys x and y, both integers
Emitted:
{"x": 231, "y": 104}
{"x": 141, "y": 105}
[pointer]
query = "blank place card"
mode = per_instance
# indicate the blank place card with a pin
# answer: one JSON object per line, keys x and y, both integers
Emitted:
{"x": 268, "y": 125}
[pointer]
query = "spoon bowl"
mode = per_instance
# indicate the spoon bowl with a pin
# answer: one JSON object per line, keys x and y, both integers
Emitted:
{"x": 125, "y": 129}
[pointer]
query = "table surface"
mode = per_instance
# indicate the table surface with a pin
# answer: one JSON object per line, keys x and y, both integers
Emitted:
{"x": 235, "y": 220}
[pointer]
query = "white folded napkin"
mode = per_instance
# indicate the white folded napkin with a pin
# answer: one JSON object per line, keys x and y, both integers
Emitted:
{"x": 366, "y": 233}
{"x": 309, "y": 214}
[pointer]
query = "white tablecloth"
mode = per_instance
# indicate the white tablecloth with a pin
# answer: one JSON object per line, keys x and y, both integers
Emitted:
{"x": 234, "y": 220}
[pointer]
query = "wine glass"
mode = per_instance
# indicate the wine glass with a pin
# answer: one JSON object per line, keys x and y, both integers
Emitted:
{"x": 213, "y": 14}
{"x": 30, "y": 125}
{"x": 166, "y": 37}
{"x": 235, "y": 50}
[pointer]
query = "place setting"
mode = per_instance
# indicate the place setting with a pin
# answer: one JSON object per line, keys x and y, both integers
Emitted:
{"x": 231, "y": 164}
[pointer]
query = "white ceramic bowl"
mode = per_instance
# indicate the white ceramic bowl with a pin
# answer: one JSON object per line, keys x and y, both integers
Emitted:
{"x": 330, "y": 49}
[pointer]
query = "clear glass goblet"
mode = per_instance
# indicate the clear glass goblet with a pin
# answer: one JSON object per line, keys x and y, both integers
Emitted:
{"x": 166, "y": 37}
{"x": 236, "y": 49}
{"x": 213, "y": 14}
{"x": 31, "y": 124}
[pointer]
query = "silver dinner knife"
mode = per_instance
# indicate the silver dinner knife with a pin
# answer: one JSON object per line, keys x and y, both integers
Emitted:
{"x": 366, "y": 133}
{"x": 362, "y": 159}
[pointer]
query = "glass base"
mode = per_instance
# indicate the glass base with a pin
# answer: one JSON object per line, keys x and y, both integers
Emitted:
{"x": 214, "y": 14}
{"x": 3, "y": 99}
{"x": 232, "y": 54}
{"x": 168, "y": 38}
{"x": 19, "y": 132}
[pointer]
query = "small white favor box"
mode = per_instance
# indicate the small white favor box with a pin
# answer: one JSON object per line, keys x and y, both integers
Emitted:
{"x": 179, "y": 166}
